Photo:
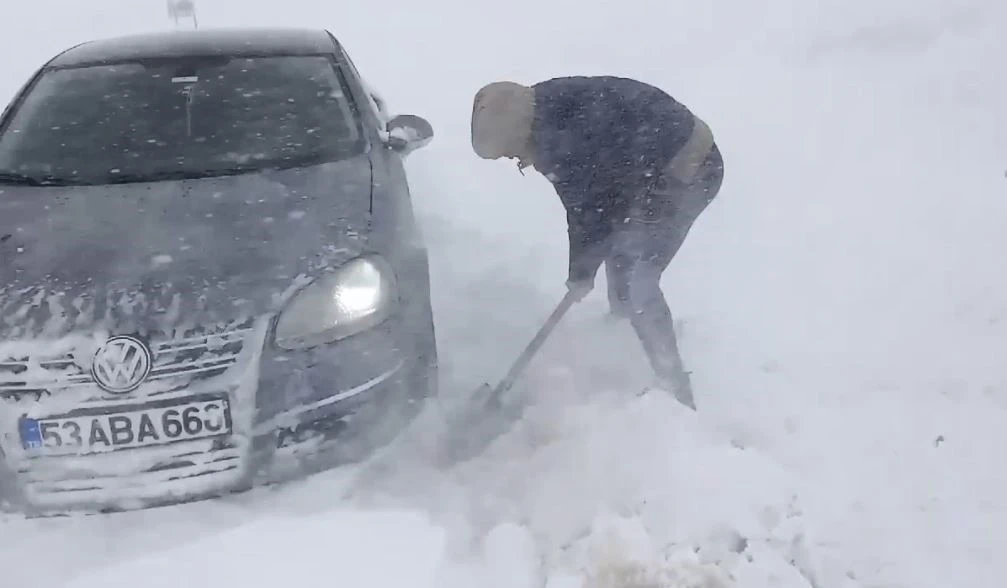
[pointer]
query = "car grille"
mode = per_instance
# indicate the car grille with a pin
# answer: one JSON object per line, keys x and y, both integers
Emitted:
{"x": 194, "y": 355}
{"x": 178, "y": 362}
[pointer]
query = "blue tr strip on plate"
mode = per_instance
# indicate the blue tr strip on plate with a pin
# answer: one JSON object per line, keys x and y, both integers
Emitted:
{"x": 31, "y": 434}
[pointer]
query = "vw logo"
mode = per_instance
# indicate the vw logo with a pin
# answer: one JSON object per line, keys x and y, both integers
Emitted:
{"x": 121, "y": 364}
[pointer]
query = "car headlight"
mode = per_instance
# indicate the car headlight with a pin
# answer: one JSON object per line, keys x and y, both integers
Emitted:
{"x": 355, "y": 297}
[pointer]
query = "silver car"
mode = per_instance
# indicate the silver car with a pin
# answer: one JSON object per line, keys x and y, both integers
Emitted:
{"x": 210, "y": 272}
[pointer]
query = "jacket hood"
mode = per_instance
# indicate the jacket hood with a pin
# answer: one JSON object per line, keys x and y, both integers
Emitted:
{"x": 164, "y": 255}
{"x": 502, "y": 117}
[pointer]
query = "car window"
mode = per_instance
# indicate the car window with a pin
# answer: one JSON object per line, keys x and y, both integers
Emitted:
{"x": 180, "y": 118}
{"x": 374, "y": 101}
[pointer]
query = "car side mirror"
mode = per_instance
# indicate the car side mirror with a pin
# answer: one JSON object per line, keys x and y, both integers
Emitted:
{"x": 408, "y": 132}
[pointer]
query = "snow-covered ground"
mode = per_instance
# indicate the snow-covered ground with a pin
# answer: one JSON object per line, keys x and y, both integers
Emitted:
{"x": 843, "y": 307}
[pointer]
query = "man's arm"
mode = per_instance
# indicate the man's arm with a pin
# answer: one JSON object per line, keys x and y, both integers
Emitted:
{"x": 588, "y": 233}
{"x": 580, "y": 152}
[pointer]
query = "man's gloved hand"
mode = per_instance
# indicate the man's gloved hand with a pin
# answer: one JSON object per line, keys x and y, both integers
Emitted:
{"x": 580, "y": 288}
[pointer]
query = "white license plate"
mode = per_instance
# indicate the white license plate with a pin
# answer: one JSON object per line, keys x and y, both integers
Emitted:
{"x": 127, "y": 427}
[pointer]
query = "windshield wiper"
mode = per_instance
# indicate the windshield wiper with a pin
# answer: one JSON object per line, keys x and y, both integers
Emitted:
{"x": 168, "y": 175}
{"x": 8, "y": 177}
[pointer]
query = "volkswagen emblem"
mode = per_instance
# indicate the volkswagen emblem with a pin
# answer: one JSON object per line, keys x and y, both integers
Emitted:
{"x": 121, "y": 364}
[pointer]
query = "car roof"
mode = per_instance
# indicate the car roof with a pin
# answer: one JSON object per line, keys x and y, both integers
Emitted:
{"x": 237, "y": 42}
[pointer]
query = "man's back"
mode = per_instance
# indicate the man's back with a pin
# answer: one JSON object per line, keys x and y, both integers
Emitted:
{"x": 598, "y": 134}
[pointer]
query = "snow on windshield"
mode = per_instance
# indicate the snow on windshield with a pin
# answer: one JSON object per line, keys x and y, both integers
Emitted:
{"x": 179, "y": 117}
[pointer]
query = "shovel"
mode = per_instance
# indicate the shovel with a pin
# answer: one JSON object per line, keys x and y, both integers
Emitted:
{"x": 487, "y": 416}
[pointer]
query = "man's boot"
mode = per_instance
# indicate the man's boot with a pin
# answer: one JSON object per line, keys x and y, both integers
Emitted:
{"x": 680, "y": 385}
{"x": 661, "y": 346}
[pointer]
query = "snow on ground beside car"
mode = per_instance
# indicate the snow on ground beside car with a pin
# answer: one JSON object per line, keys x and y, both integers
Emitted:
{"x": 522, "y": 524}
{"x": 841, "y": 306}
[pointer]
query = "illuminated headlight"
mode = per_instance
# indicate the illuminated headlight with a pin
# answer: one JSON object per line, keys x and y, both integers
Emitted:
{"x": 355, "y": 297}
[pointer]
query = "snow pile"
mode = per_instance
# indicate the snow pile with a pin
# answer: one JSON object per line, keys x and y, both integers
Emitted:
{"x": 613, "y": 496}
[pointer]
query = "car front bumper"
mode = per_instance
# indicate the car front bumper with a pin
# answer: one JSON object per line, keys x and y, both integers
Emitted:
{"x": 276, "y": 401}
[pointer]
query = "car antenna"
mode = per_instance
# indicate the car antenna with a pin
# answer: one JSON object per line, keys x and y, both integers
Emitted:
{"x": 180, "y": 9}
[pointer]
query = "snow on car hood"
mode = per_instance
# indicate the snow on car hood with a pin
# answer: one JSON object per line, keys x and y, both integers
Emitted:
{"x": 173, "y": 253}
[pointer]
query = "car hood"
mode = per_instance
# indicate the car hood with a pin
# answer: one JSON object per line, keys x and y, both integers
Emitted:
{"x": 161, "y": 255}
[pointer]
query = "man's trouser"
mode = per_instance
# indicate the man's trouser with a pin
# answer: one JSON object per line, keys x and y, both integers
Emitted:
{"x": 641, "y": 249}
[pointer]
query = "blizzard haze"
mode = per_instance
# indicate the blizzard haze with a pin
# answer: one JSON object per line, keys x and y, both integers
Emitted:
{"x": 842, "y": 307}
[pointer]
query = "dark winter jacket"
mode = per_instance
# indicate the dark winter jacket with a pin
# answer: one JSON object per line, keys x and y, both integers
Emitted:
{"x": 601, "y": 141}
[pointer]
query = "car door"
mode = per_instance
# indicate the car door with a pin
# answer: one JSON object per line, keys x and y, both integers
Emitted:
{"x": 391, "y": 184}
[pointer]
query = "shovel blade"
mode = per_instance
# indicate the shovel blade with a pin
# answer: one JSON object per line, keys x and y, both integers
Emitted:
{"x": 481, "y": 396}
{"x": 474, "y": 428}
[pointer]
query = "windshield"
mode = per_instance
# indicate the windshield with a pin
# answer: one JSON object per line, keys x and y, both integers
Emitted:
{"x": 177, "y": 118}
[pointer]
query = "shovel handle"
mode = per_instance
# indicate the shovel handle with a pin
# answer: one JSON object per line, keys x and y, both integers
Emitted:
{"x": 533, "y": 347}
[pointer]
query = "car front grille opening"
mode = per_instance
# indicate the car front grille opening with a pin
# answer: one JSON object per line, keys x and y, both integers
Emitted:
{"x": 195, "y": 355}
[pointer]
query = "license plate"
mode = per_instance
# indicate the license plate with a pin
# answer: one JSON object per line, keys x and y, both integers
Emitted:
{"x": 127, "y": 427}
